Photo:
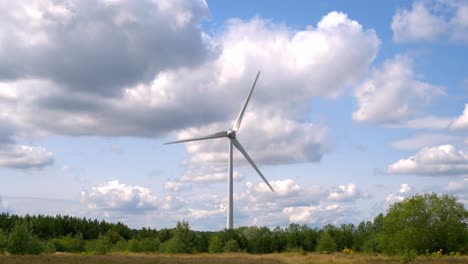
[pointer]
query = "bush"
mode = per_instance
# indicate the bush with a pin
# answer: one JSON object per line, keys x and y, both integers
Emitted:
{"x": 21, "y": 241}
{"x": 3, "y": 242}
{"x": 101, "y": 246}
{"x": 231, "y": 246}
{"x": 50, "y": 247}
{"x": 121, "y": 245}
{"x": 326, "y": 243}
{"x": 181, "y": 242}
{"x": 144, "y": 245}
{"x": 150, "y": 244}
{"x": 408, "y": 256}
{"x": 215, "y": 245}
{"x": 69, "y": 244}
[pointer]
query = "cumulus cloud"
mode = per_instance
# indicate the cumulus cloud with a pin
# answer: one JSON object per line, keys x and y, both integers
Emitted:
{"x": 431, "y": 20}
{"x": 425, "y": 122}
{"x": 461, "y": 122}
{"x": 419, "y": 141}
{"x": 443, "y": 160}
{"x": 3, "y": 204}
{"x": 459, "y": 189}
{"x": 149, "y": 100}
{"x": 348, "y": 192}
{"x": 211, "y": 174}
{"x": 417, "y": 24}
{"x": 287, "y": 193}
{"x": 392, "y": 94}
{"x": 405, "y": 191}
{"x": 268, "y": 140}
{"x": 120, "y": 197}
{"x": 24, "y": 157}
{"x": 146, "y": 37}
{"x": 405, "y": 188}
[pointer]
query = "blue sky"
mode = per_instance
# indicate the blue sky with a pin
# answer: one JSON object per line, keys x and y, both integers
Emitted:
{"x": 359, "y": 104}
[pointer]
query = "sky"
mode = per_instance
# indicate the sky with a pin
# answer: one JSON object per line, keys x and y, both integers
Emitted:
{"x": 359, "y": 105}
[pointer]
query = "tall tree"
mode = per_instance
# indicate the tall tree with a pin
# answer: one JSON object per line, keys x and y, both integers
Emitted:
{"x": 425, "y": 222}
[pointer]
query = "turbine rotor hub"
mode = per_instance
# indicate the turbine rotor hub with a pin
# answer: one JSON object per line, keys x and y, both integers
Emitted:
{"x": 231, "y": 134}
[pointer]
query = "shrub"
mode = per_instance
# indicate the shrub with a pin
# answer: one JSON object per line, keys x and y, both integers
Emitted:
{"x": 326, "y": 243}
{"x": 181, "y": 242}
{"x": 408, "y": 256}
{"x": 215, "y": 245}
{"x": 69, "y": 244}
{"x": 150, "y": 244}
{"x": 21, "y": 241}
{"x": 121, "y": 245}
{"x": 101, "y": 246}
{"x": 144, "y": 245}
{"x": 50, "y": 247}
{"x": 3, "y": 242}
{"x": 231, "y": 246}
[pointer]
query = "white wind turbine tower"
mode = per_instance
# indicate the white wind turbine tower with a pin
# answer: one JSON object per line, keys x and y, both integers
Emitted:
{"x": 231, "y": 134}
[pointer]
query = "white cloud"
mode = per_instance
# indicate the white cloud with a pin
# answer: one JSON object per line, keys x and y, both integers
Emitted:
{"x": 3, "y": 204}
{"x": 156, "y": 106}
{"x": 267, "y": 139}
{"x": 459, "y": 23}
{"x": 432, "y": 20}
{"x": 443, "y": 160}
{"x": 404, "y": 192}
{"x": 394, "y": 198}
{"x": 120, "y": 197}
{"x": 282, "y": 187}
{"x": 457, "y": 186}
{"x": 348, "y": 192}
{"x": 405, "y": 188}
{"x": 301, "y": 214}
{"x": 425, "y": 122}
{"x": 461, "y": 122}
{"x": 24, "y": 157}
{"x": 392, "y": 94}
{"x": 141, "y": 34}
{"x": 459, "y": 189}
{"x": 172, "y": 186}
{"x": 150, "y": 100}
{"x": 209, "y": 174}
{"x": 419, "y": 141}
{"x": 418, "y": 24}
{"x": 205, "y": 214}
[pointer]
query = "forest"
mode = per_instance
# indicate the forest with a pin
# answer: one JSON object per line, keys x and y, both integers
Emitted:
{"x": 425, "y": 224}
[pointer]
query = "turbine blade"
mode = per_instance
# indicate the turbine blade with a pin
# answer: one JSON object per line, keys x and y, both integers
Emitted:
{"x": 242, "y": 150}
{"x": 241, "y": 114}
{"x": 216, "y": 135}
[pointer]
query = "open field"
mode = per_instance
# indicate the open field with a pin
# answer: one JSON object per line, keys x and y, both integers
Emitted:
{"x": 218, "y": 258}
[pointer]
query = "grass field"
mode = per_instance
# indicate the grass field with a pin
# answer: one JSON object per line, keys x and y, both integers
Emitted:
{"x": 218, "y": 258}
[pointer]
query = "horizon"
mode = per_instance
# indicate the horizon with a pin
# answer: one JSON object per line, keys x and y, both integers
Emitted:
{"x": 357, "y": 106}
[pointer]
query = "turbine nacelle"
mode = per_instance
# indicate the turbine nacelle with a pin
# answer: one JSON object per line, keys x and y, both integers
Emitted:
{"x": 231, "y": 134}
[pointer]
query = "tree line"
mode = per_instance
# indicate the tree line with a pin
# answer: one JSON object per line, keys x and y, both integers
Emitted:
{"x": 423, "y": 224}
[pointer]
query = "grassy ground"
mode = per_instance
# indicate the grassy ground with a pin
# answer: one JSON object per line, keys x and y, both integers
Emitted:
{"x": 219, "y": 258}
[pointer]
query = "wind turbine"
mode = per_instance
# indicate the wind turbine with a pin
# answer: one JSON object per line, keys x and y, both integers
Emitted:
{"x": 231, "y": 135}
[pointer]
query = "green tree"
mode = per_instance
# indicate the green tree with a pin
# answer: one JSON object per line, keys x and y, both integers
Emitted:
{"x": 231, "y": 246}
{"x": 181, "y": 242}
{"x": 102, "y": 245}
{"x": 425, "y": 222}
{"x": 216, "y": 244}
{"x": 3, "y": 242}
{"x": 326, "y": 243}
{"x": 21, "y": 241}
